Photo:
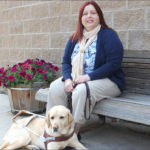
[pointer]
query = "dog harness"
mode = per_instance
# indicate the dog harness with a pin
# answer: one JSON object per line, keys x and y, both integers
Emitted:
{"x": 49, "y": 138}
{"x": 28, "y": 120}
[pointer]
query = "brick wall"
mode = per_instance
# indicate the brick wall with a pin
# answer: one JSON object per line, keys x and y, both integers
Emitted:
{"x": 30, "y": 29}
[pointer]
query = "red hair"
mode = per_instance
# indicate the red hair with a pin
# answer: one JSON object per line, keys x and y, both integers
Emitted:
{"x": 79, "y": 31}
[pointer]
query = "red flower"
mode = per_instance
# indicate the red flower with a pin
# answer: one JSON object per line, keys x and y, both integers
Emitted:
{"x": 39, "y": 70}
{"x": 55, "y": 68}
{"x": 22, "y": 73}
{"x": 11, "y": 78}
{"x": 28, "y": 61}
{"x": 20, "y": 64}
{"x": 2, "y": 70}
{"x": 29, "y": 77}
{"x": 26, "y": 66}
{"x": 13, "y": 69}
{"x": 50, "y": 66}
{"x": 49, "y": 63}
{"x": 43, "y": 61}
{"x": 4, "y": 74}
{"x": 38, "y": 63}
{"x": 45, "y": 77}
{"x": 5, "y": 84}
{"x": 45, "y": 71}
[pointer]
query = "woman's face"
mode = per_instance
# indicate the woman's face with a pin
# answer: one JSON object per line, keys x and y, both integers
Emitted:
{"x": 90, "y": 18}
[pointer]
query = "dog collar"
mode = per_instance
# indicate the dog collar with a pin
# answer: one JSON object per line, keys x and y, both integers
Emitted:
{"x": 48, "y": 138}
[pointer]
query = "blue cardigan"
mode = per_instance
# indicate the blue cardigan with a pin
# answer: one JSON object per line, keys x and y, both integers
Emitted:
{"x": 109, "y": 54}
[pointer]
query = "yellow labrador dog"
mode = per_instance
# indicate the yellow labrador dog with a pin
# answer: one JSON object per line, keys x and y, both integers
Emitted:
{"x": 56, "y": 131}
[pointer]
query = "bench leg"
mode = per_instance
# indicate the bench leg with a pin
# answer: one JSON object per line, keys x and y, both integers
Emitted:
{"x": 102, "y": 119}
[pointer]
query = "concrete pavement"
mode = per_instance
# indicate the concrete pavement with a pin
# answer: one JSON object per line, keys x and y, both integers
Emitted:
{"x": 111, "y": 136}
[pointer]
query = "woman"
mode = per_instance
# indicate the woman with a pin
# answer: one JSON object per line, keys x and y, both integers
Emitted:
{"x": 93, "y": 54}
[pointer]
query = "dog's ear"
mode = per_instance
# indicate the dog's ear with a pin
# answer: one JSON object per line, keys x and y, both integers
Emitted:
{"x": 48, "y": 121}
{"x": 70, "y": 118}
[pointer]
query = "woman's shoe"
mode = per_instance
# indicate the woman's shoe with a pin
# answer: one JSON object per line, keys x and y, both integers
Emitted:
{"x": 68, "y": 148}
{"x": 79, "y": 137}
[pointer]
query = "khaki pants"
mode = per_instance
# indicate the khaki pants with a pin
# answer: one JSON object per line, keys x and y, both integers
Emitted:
{"x": 99, "y": 89}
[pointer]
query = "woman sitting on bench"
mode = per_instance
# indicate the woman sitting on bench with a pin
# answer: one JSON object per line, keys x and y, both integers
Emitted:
{"x": 93, "y": 54}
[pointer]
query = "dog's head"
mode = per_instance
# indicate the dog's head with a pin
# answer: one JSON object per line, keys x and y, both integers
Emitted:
{"x": 59, "y": 119}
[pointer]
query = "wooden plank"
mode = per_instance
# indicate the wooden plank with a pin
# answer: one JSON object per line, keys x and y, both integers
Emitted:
{"x": 134, "y": 99}
{"x": 137, "y": 53}
{"x": 132, "y": 65}
{"x": 137, "y": 80}
{"x": 123, "y": 110}
{"x": 138, "y": 90}
{"x": 135, "y": 96}
{"x": 142, "y": 86}
{"x": 136, "y": 84}
{"x": 42, "y": 95}
{"x": 137, "y": 75}
{"x": 137, "y": 70}
{"x": 137, "y": 60}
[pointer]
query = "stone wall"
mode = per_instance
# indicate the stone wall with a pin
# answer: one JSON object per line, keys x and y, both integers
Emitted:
{"x": 40, "y": 29}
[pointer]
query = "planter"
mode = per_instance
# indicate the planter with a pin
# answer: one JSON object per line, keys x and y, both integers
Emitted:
{"x": 23, "y": 97}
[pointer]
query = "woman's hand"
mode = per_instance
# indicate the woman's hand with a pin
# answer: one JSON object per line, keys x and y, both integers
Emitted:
{"x": 69, "y": 85}
{"x": 82, "y": 79}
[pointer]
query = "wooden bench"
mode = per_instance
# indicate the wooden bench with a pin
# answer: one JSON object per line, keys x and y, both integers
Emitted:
{"x": 134, "y": 104}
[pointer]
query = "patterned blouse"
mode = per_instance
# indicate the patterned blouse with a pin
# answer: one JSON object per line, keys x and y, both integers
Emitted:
{"x": 89, "y": 56}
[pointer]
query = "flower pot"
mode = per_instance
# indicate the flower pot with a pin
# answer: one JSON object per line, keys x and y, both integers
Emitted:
{"x": 23, "y": 97}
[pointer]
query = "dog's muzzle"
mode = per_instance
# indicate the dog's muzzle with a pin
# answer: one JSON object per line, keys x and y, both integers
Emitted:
{"x": 55, "y": 128}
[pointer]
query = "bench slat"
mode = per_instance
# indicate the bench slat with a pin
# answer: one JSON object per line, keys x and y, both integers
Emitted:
{"x": 136, "y": 60}
{"x": 137, "y": 54}
{"x": 137, "y": 80}
{"x": 132, "y": 65}
{"x": 137, "y": 70}
{"x": 137, "y": 75}
{"x": 123, "y": 110}
{"x": 139, "y": 85}
{"x": 133, "y": 98}
{"x": 42, "y": 95}
{"x": 138, "y": 90}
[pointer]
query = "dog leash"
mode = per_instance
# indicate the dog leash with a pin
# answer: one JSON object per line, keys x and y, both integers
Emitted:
{"x": 87, "y": 102}
{"x": 69, "y": 98}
